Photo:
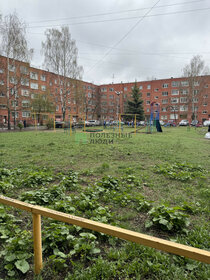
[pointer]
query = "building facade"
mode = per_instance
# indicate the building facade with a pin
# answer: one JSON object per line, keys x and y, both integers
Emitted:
{"x": 22, "y": 89}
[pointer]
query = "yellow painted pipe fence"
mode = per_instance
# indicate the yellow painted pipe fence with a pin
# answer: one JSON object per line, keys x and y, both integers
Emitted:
{"x": 143, "y": 239}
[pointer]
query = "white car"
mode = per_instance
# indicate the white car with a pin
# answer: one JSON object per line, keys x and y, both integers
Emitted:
{"x": 93, "y": 123}
{"x": 184, "y": 123}
{"x": 206, "y": 123}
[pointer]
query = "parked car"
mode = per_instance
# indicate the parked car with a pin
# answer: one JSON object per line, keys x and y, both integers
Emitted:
{"x": 206, "y": 123}
{"x": 195, "y": 123}
{"x": 184, "y": 123}
{"x": 93, "y": 123}
{"x": 59, "y": 124}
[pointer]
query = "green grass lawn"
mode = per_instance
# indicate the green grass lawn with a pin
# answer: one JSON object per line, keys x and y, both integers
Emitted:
{"x": 133, "y": 183}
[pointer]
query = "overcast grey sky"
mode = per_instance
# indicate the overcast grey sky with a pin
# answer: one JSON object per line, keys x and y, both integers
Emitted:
{"x": 122, "y": 40}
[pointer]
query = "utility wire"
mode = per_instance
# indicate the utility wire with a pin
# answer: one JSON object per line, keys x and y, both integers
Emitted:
{"x": 119, "y": 19}
{"x": 120, "y": 12}
{"x": 124, "y": 36}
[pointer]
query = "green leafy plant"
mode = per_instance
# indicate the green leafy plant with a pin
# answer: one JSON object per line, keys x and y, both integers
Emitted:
{"x": 180, "y": 171}
{"x": 168, "y": 218}
{"x": 36, "y": 178}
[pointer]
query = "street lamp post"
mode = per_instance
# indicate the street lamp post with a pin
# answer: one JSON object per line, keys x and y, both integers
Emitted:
{"x": 118, "y": 95}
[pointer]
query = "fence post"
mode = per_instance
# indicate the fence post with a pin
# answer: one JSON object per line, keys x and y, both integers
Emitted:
{"x": 37, "y": 236}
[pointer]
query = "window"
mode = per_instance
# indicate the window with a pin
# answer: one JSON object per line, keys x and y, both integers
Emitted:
{"x": 156, "y": 89}
{"x": 156, "y": 97}
{"x": 3, "y": 106}
{"x": 174, "y": 108}
{"x": 164, "y": 109}
{"x": 69, "y": 101}
{"x": 89, "y": 94}
{"x": 2, "y": 94}
{"x": 148, "y": 86}
{"x": 103, "y": 96}
{"x": 164, "y": 93}
{"x": 14, "y": 103}
{"x": 125, "y": 88}
{"x": 111, "y": 96}
{"x": 89, "y": 87}
{"x": 104, "y": 103}
{"x": 24, "y": 92}
{"x": 111, "y": 89}
{"x": 164, "y": 117}
{"x": 206, "y": 86}
{"x": 12, "y": 68}
{"x": 125, "y": 96}
{"x": 33, "y": 75}
{"x": 34, "y": 86}
{"x": 175, "y": 92}
{"x": 57, "y": 108}
{"x": 111, "y": 103}
{"x": 61, "y": 83}
{"x": 184, "y": 83}
{"x": 147, "y": 102}
{"x": 68, "y": 84}
{"x": 111, "y": 110}
{"x": 174, "y": 100}
{"x": 196, "y": 83}
{"x": 195, "y": 91}
{"x": 173, "y": 116}
{"x": 43, "y": 78}
{"x": 1, "y": 70}
{"x": 24, "y": 82}
{"x": 13, "y": 80}
{"x": 26, "y": 114}
{"x": 55, "y": 81}
{"x": 103, "y": 89}
{"x": 34, "y": 95}
{"x": 205, "y": 96}
{"x": 165, "y": 85}
{"x": 183, "y": 108}
{"x": 15, "y": 114}
{"x": 13, "y": 91}
{"x": 148, "y": 94}
{"x": 43, "y": 88}
{"x": 204, "y": 112}
{"x": 25, "y": 103}
{"x": 51, "y": 83}
{"x": 140, "y": 87}
{"x": 183, "y": 100}
{"x": 175, "y": 84}
{"x": 184, "y": 91}
{"x": 1, "y": 82}
{"x": 195, "y": 100}
{"x": 24, "y": 69}
{"x": 147, "y": 110}
{"x": 164, "y": 101}
{"x": 204, "y": 104}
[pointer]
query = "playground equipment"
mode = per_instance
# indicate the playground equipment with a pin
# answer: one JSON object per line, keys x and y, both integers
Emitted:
{"x": 154, "y": 118}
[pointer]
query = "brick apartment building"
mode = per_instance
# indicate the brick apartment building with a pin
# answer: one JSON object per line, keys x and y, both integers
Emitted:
{"x": 88, "y": 101}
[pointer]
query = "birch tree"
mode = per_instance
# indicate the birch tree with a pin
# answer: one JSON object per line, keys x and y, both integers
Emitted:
{"x": 14, "y": 46}
{"x": 195, "y": 73}
{"x": 61, "y": 57}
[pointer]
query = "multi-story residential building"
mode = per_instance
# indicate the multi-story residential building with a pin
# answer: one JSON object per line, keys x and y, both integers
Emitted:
{"x": 21, "y": 84}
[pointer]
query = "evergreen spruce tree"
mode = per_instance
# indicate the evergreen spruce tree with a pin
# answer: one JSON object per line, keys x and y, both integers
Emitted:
{"x": 135, "y": 105}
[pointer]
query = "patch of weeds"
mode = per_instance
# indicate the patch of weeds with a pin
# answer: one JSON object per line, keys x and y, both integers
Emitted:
{"x": 70, "y": 180}
{"x": 180, "y": 171}
{"x": 166, "y": 218}
{"x": 104, "y": 167}
{"x": 36, "y": 178}
{"x": 109, "y": 182}
{"x": 44, "y": 196}
{"x": 15, "y": 256}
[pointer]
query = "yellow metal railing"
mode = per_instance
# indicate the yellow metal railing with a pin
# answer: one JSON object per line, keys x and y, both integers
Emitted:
{"x": 143, "y": 239}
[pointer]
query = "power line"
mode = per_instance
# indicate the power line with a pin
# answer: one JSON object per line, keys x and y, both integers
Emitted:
{"x": 124, "y": 36}
{"x": 120, "y": 19}
{"x": 119, "y": 12}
